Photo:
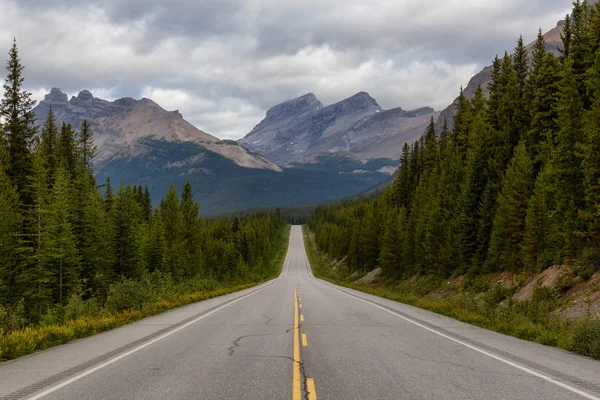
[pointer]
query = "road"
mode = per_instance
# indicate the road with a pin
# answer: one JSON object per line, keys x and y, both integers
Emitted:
{"x": 297, "y": 337}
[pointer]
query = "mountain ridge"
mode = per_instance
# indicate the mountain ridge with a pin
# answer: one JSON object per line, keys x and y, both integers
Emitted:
{"x": 119, "y": 125}
{"x": 302, "y": 129}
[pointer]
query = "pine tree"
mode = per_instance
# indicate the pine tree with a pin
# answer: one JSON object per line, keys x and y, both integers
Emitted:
{"x": 10, "y": 221}
{"x": 85, "y": 145}
{"x": 568, "y": 179}
{"x": 126, "y": 216}
{"x": 536, "y": 242}
{"x": 543, "y": 109}
{"x": 390, "y": 255}
{"x": 462, "y": 122}
{"x": 39, "y": 276}
{"x": 521, "y": 69}
{"x": 509, "y": 223}
{"x": 49, "y": 145}
{"x": 147, "y": 205}
{"x": 191, "y": 230}
{"x": 402, "y": 185}
{"x": 67, "y": 150}
{"x": 61, "y": 252}
{"x": 430, "y": 149}
{"x": 590, "y": 150}
{"x": 174, "y": 254}
{"x": 19, "y": 130}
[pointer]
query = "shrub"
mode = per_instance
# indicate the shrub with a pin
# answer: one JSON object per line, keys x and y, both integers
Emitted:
{"x": 586, "y": 337}
{"x": 564, "y": 282}
{"x": 77, "y": 307}
{"x": 13, "y": 318}
{"x": 585, "y": 273}
{"x": 130, "y": 294}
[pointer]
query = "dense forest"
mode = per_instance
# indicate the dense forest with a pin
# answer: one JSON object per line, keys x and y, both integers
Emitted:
{"x": 65, "y": 239}
{"x": 514, "y": 186}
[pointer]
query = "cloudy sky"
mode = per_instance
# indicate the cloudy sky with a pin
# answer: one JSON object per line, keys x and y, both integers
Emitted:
{"x": 223, "y": 63}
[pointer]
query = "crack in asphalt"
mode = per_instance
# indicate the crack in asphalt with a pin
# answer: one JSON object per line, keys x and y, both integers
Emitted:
{"x": 236, "y": 342}
{"x": 269, "y": 319}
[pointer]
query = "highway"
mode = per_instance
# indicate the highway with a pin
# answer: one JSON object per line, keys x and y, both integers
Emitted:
{"x": 297, "y": 337}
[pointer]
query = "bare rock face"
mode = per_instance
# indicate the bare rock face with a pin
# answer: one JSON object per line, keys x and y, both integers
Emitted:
{"x": 301, "y": 129}
{"x": 56, "y": 96}
{"x": 119, "y": 127}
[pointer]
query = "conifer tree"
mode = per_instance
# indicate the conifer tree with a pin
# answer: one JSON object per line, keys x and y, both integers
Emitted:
{"x": 61, "y": 252}
{"x": 49, "y": 144}
{"x": 10, "y": 220}
{"x": 126, "y": 236}
{"x": 430, "y": 149}
{"x": 509, "y": 222}
{"x": 462, "y": 122}
{"x": 174, "y": 257}
{"x": 543, "y": 109}
{"x": 538, "y": 222}
{"x": 85, "y": 145}
{"x": 67, "y": 150}
{"x": 590, "y": 151}
{"x": 568, "y": 179}
{"x": 19, "y": 130}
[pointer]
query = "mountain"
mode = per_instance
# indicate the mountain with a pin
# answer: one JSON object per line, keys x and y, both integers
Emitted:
{"x": 301, "y": 130}
{"x": 553, "y": 44}
{"x": 139, "y": 142}
{"x": 120, "y": 126}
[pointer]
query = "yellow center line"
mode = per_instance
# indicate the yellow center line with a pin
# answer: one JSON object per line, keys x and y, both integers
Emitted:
{"x": 304, "y": 341}
{"x": 312, "y": 392}
{"x": 300, "y": 306}
{"x": 301, "y": 317}
{"x": 296, "y": 379}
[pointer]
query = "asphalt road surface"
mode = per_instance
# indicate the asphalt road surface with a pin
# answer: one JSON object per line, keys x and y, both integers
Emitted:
{"x": 297, "y": 337}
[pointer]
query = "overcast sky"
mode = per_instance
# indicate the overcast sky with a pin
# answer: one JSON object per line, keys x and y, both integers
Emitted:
{"x": 223, "y": 63}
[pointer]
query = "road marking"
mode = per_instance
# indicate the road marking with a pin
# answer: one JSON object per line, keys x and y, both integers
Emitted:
{"x": 301, "y": 317}
{"x": 477, "y": 349}
{"x": 296, "y": 378}
{"x": 312, "y": 392}
{"x": 113, "y": 360}
{"x": 300, "y": 306}
{"x": 304, "y": 341}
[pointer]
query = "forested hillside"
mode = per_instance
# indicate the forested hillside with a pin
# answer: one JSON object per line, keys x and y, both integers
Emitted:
{"x": 70, "y": 247}
{"x": 514, "y": 186}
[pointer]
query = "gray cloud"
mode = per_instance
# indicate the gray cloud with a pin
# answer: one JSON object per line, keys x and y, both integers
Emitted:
{"x": 224, "y": 62}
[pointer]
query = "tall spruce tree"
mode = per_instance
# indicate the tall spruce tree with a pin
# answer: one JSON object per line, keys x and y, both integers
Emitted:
{"x": 19, "y": 130}
{"x": 509, "y": 223}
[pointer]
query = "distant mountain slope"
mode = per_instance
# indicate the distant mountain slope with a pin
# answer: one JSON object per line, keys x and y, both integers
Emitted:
{"x": 119, "y": 126}
{"x": 299, "y": 130}
{"x": 141, "y": 143}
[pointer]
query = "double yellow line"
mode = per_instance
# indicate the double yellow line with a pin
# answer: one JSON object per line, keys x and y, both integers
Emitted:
{"x": 297, "y": 377}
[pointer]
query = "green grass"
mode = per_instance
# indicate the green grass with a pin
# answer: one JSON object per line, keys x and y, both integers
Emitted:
{"x": 490, "y": 307}
{"x": 86, "y": 318}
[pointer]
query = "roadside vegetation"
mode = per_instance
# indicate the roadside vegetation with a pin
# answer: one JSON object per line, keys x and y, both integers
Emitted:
{"x": 487, "y": 301}
{"x": 77, "y": 258}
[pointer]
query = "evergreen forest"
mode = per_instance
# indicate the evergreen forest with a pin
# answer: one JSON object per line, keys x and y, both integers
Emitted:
{"x": 73, "y": 247}
{"x": 513, "y": 186}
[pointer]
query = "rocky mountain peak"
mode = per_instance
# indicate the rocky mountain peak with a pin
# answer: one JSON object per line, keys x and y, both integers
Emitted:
{"x": 300, "y": 105}
{"x": 85, "y": 95}
{"x": 56, "y": 96}
{"x": 363, "y": 98}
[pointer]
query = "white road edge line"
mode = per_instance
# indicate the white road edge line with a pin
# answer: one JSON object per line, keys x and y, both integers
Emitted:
{"x": 501, "y": 359}
{"x": 136, "y": 349}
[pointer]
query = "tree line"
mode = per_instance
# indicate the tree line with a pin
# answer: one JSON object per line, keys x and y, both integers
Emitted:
{"x": 513, "y": 186}
{"x": 63, "y": 234}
